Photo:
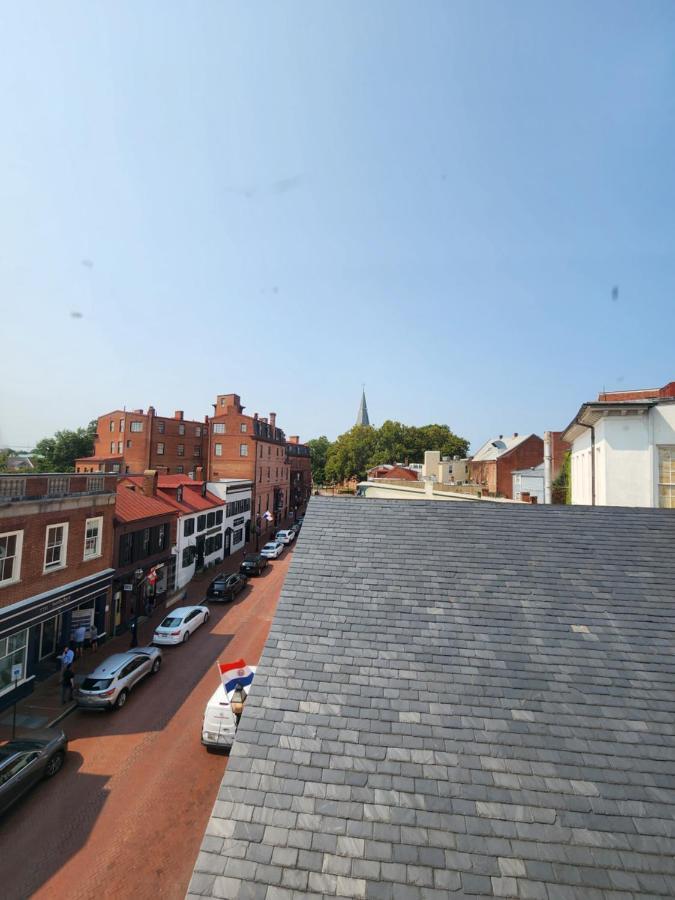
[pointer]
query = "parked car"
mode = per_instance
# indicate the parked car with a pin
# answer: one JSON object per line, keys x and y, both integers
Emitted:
{"x": 25, "y": 761}
{"x": 109, "y": 684}
{"x": 295, "y": 528}
{"x": 285, "y": 537}
{"x": 177, "y": 627}
{"x": 226, "y": 587}
{"x": 253, "y": 564}
{"x": 272, "y": 550}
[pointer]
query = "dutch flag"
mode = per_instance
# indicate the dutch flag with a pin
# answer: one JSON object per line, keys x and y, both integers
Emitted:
{"x": 235, "y": 673}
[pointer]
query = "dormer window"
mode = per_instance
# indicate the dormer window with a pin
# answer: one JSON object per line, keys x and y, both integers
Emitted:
{"x": 179, "y": 493}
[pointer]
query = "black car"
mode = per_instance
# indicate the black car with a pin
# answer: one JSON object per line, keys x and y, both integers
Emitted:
{"x": 25, "y": 761}
{"x": 226, "y": 587}
{"x": 253, "y": 564}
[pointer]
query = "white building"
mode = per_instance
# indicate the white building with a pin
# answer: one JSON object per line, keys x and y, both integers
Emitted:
{"x": 623, "y": 450}
{"x": 236, "y": 493}
{"x": 200, "y": 529}
{"x": 529, "y": 481}
{"x": 445, "y": 470}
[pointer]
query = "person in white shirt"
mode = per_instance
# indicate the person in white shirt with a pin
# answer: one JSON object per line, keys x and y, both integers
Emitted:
{"x": 80, "y": 633}
{"x": 67, "y": 658}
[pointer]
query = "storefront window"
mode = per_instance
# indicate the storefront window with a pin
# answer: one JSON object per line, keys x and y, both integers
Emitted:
{"x": 12, "y": 652}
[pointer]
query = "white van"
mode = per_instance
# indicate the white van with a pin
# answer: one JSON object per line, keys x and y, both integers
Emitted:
{"x": 219, "y": 726}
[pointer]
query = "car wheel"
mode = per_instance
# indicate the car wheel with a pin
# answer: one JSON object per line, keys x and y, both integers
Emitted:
{"x": 186, "y": 637}
{"x": 206, "y": 618}
{"x": 121, "y": 699}
{"x": 54, "y": 764}
{"x": 156, "y": 665}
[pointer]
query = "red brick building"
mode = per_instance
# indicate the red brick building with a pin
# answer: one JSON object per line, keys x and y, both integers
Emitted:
{"x": 300, "y": 488}
{"x": 135, "y": 441}
{"x": 492, "y": 466}
{"x": 395, "y": 472}
{"x": 662, "y": 393}
{"x": 56, "y": 550}
{"x": 251, "y": 448}
{"x": 145, "y": 532}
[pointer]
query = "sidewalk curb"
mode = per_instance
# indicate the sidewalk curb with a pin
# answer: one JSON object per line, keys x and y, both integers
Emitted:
{"x": 62, "y": 715}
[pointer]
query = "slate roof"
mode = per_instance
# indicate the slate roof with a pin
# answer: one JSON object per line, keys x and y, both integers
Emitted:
{"x": 459, "y": 700}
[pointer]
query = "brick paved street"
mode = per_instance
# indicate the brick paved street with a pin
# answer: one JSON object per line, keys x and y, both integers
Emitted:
{"x": 126, "y": 816}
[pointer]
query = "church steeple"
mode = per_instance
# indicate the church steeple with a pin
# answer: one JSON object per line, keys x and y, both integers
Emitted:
{"x": 362, "y": 418}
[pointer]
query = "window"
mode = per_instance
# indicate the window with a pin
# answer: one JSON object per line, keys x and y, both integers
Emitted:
{"x": 120, "y": 446}
{"x": 201, "y": 522}
{"x": 243, "y": 449}
{"x": 128, "y": 445}
{"x": 188, "y": 556}
{"x": 145, "y": 543}
{"x": 243, "y": 427}
{"x": 198, "y": 431}
{"x": 55, "y": 546}
{"x": 136, "y": 426}
{"x": 181, "y": 428}
{"x": 238, "y": 536}
{"x": 161, "y": 536}
{"x": 667, "y": 477}
{"x": 222, "y": 401}
{"x": 10, "y": 557}
{"x": 219, "y": 517}
{"x": 219, "y": 428}
{"x": 115, "y": 467}
{"x": 179, "y": 470}
{"x": 112, "y": 425}
{"x": 210, "y": 519}
{"x": 269, "y": 451}
{"x": 218, "y": 449}
{"x": 197, "y": 451}
{"x": 180, "y": 449}
{"x": 160, "y": 448}
{"x": 92, "y": 537}
{"x": 188, "y": 527}
{"x": 160, "y": 427}
{"x": 122, "y": 426}
{"x": 12, "y": 652}
{"x": 260, "y": 475}
{"x": 112, "y": 446}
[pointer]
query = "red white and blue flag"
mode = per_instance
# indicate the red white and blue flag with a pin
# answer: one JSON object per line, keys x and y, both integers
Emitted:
{"x": 235, "y": 673}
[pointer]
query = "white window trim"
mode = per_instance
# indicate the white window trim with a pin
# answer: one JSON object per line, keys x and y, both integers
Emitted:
{"x": 243, "y": 449}
{"x": 17, "y": 565}
{"x": 64, "y": 548}
{"x": 219, "y": 428}
{"x": 99, "y": 539}
{"x": 217, "y": 449}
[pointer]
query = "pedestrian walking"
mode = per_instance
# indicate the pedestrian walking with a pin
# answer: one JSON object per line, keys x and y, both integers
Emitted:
{"x": 80, "y": 634}
{"x": 134, "y": 637}
{"x": 93, "y": 640}
{"x": 67, "y": 681}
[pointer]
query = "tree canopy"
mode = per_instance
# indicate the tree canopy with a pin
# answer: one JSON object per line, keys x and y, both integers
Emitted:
{"x": 58, "y": 453}
{"x": 363, "y": 447}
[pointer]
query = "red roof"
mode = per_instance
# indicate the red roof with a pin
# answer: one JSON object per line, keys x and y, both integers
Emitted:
{"x": 131, "y": 504}
{"x": 192, "y": 493}
{"x": 169, "y": 481}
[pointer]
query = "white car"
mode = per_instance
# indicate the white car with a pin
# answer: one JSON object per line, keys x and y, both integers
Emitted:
{"x": 272, "y": 550}
{"x": 285, "y": 537}
{"x": 179, "y": 624}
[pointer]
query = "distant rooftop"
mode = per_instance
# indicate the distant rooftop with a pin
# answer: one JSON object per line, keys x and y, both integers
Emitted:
{"x": 498, "y": 446}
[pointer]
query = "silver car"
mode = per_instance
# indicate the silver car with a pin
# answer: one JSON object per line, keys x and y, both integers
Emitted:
{"x": 108, "y": 685}
{"x": 25, "y": 761}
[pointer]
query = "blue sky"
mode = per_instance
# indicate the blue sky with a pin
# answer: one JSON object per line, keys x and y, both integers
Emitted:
{"x": 288, "y": 199}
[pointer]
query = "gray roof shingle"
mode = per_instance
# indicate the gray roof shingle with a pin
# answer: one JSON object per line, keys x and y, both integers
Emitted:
{"x": 459, "y": 700}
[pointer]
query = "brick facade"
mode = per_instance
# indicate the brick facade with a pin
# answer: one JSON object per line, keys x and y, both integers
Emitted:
{"x": 251, "y": 448}
{"x": 46, "y": 590}
{"x": 300, "y": 465}
{"x": 132, "y": 441}
{"x": 495, "y": 475}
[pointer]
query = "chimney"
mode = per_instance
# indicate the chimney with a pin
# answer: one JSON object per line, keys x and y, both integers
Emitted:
{"x": 199, "y": 473}
{"x": 255, "y": 417}
{"x": 501, "y": 436}
{"x": 137, "y": 412}
{"x": 515, "y": 434}
{"x": 178, "y": 415}
{"x": 547, "y": 467}
{"x": 273, "y": 420}
{"x": 294, "y": 439}
{"x": 150, "y": 483}
{"x": 151, "y": 410}
{"x": 263, "y": 419}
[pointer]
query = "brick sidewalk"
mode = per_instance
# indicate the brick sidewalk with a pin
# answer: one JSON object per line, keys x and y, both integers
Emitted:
{"x": 43, "y": 708}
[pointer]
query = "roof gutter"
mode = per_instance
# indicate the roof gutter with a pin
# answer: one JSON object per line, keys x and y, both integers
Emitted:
{"x": 592, "y": 430}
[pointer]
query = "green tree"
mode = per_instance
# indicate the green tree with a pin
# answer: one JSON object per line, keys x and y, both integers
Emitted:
{"x": 561, "y": 488}
{"x": 58, "y": 453}
{"x": 318, "y": 449}
{"x": 351, "y": 454}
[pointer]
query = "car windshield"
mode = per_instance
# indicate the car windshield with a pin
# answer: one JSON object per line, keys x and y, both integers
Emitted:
{"x": 170, "y": 622}
{"x": 96, "y": 684}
